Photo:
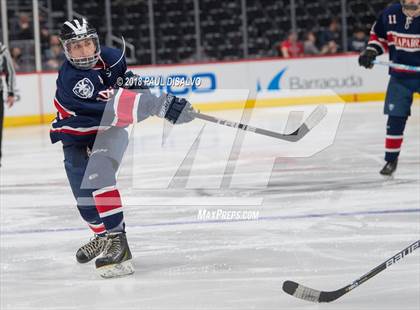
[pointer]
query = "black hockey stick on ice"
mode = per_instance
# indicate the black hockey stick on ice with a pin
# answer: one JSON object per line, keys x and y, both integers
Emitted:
{"x": 309, "y": 294}
{"x": 313, "y": 119}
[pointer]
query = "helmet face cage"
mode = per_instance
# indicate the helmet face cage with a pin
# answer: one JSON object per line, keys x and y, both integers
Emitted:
{"x": 409, "y": 7}
{"x": 84, "y": 63}
{"x": 73, "y": 32}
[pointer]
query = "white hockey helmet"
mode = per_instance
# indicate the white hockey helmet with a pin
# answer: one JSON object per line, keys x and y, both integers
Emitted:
{"x": 78, "y": 30}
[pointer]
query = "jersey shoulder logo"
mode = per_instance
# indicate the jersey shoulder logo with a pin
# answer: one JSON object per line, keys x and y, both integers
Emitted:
{"x": 84, "y": 88}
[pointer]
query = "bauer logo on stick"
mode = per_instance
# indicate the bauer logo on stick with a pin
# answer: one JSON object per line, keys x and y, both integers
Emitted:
{"x": 402, "y": 254}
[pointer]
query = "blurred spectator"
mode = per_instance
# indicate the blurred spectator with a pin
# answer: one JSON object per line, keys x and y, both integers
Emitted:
{"x": 54, "y": 55}
{"x": 291, "y": 47}
{"x": 330, "y": 48}
{"x": 309, "y": 45}
{"x": 332, "y": 34}
{"x": 43, "y": 20}
{"x": 55, "y": 40}
{"x": 358, "y": 41}
{"x": 16, "y": 53}
{"x": 24, "y": 28}
{"x": 45, "y": 40}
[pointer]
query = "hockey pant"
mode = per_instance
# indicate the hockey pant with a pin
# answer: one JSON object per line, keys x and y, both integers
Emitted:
{"x": 91, "y": 171}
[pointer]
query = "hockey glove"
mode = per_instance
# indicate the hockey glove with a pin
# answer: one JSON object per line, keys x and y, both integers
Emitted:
{"x": 367, "y": 57}
{"x": 176, "y": 110}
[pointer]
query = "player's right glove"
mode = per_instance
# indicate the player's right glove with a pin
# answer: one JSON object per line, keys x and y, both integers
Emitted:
{"x": 177, "y": 110}
{"x": 367, "y": 57}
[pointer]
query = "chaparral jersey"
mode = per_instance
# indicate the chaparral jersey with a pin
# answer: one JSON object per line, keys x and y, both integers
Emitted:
{"x": 81, "y": 97}
{"x": 400, "y": 35}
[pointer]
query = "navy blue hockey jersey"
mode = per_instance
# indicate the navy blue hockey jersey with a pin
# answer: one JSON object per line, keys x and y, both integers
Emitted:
{"x": 82, "y": 95}
{"x": 400, "y": 35}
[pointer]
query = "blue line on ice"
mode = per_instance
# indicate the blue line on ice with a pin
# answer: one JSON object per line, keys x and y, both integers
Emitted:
{"x": 262, "y": 218}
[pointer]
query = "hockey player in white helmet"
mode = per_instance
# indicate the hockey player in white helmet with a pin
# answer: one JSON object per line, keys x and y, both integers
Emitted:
{"x": 88, "y": 95}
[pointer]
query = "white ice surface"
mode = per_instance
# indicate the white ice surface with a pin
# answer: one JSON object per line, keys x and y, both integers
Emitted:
{"x": 314, "y": 228}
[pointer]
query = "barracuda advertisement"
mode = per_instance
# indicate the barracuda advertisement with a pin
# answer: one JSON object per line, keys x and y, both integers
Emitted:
{"x": 343, "y": 76}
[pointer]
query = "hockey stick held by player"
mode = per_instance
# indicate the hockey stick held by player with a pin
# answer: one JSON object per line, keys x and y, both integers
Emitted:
{"x": 408, "y": 68}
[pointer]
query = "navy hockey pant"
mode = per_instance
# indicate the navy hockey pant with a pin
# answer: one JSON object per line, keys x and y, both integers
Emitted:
{"x": 398, "y": 101}
{"x": 91, "y": 172}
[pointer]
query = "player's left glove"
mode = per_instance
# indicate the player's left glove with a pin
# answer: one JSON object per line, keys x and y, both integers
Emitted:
{"x": 367, "y": 57}
{"x": 177, "y": 110}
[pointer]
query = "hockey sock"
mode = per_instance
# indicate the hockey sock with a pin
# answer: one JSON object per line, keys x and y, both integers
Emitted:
{"x": 91, "y": 216}
{"x": 109, "y": 206}
{"x": 101, "y": 176}
{"x": 394, "y": 137}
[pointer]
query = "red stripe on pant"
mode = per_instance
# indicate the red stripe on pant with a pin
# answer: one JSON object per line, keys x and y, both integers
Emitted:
{"x": 393, "y": 143}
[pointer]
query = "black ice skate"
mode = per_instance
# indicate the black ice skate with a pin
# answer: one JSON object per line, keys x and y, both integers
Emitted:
{"x": 389, "y": 168}
{"x": 91, "y": 249}
{"x": 116, "y": 259}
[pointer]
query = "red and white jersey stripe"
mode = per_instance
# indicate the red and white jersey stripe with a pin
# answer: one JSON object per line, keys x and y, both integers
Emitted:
{"x": 404, "y": 41}
{"x": 62, "y": 111}
{"x": 79, "y": 131}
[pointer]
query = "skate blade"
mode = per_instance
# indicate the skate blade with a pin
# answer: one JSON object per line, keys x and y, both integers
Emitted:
{"x": 116, "y": 270}
{"x": 389, "y": 177}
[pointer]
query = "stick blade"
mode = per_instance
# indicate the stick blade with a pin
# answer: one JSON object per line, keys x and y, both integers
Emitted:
{"x": 290, "y": 287}
{"x": 309, "y": 294}
{"x": 300, "y": 291}
{"x": 316, "y": 116}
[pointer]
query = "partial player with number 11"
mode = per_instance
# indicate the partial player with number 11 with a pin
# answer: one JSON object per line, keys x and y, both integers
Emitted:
{"x": 397, "y": 31}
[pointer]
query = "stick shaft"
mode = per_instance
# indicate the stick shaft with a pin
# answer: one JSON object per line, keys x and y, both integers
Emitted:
{"x": 390, "y": 261}
{"x": 224, "y": 122}
{"x": 397, "y": 66}
{"x": 209, "y": 118}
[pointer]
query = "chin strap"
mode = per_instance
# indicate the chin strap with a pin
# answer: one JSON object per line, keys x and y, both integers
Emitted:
{"x": 408, "y": 22}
